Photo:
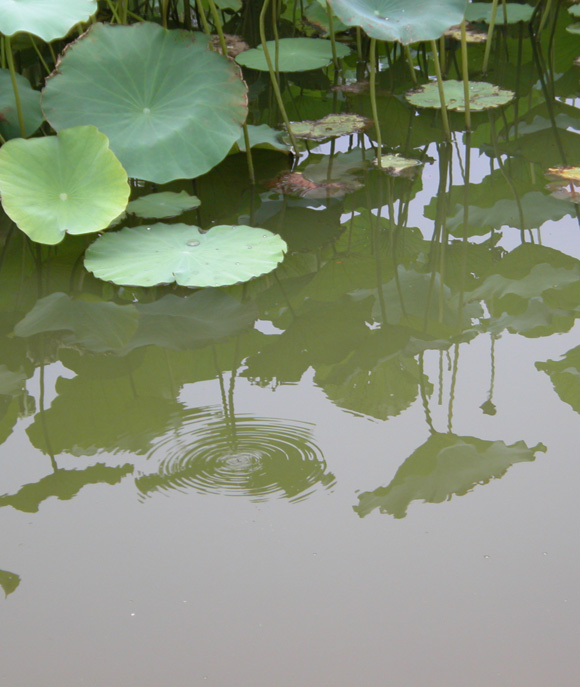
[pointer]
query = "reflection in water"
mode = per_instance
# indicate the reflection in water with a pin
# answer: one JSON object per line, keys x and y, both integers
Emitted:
{"x": 9, "y": 582}
{"x": 261, "y": 458}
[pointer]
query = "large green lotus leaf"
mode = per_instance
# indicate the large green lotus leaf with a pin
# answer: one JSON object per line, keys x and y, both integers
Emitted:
{"x": 47, "y": 19}
{"x": 446, "y": 465}
{"x": 69, "y": 183}
{"x": 170, "y": 107}
{"x": 162, "y": 254}
{"x": 565, "y": 376}
{"x": 401, "y": 20}
{"x": 481, "y": 11}
{"x": 9, "y": 581}
{"x": 294, "y": 54}
{"x": 29, "y": 100}
{"x": 482, "y": 95}
{"x": 163, "y": 204}
{"x": 64, "y": 484}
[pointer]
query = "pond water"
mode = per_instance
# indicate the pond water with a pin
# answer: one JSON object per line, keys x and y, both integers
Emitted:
{"x": 359, "y": 469}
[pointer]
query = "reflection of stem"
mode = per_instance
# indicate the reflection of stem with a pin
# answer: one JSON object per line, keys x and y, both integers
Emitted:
{"x": 41, "y": 413}
{"x": 422, "y": 379}
{"x": 488, "y": 407}
{"x": 440, "y": 396}
{"x": 465, "y": 70}
{"x": 465, "y": 243}
{"x": 220, "y": 375}
{"x": 444, "y": 118}
{"x": 452, "y": 388}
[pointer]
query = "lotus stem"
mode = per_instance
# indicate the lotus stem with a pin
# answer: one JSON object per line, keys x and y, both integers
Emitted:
{"x": 218, "y": 27}
{"x": 489, "y": 36}
{"x": 444, "y": 117}
{"x": 203, "y": 18}
{"x": 359, "y": 44}
{"x": 249, "y": 158}
{"x": 164, "y": 4}
{"x": 114, "y": 12}
{"x": 373, "y": 92}
{"x": 544, "y": 18}
{"x": 410, "y": 63}
{"x": 38, "y": 53}
{"x": 273, "y": 79}
{"x": 465, "y": 70}
{"x": 332, "y": 37}
{"x": 10, "y": 60}
{"x": 187, "y": 14}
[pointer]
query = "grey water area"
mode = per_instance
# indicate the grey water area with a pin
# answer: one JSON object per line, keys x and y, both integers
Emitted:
{"x": 269, "y": 510}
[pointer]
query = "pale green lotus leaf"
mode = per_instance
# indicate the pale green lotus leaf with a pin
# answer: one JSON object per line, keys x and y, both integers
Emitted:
{"x": 565, "y": 376}
{"x": 163, "y": 204}
{"x": 481, "y": 11}
{"x": 316, "y": 14}
{"x": 331, "y": 126}
{"x": 30, "y": 103}
{"x": 294, "y": 55}
{"x": 401, "y": 20}
{"x": 574, "y": 10}
{"x": 171, "y": 107}
{"x": 69, "y": 183}
{"x": 9, "y": 582}
{"x": 482, "y": 95}
{"x": 47, "y": 19}
{"x": 162, "y": 254}
{"x": 261, "y": 136}
{"x": 574, "y": 28}
{"x": 398, "y": 166}
{"x": 11, "y": 383}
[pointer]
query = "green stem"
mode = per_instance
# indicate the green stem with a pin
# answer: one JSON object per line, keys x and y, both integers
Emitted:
{"x": 113, "y": 9}
{"x": 10, "y": 61}
{"x": 373, "y": 92}
{"x": 37, "y": 51}
{"x": 489, "y": 36}
{"x": 249, "y": 159}
{"x": 332, "y": 37}
{"x": 203, "y": 18}
{"x": 164, "y": 4}
{"x": 218, "y": 27}
{"x": 444, "y": 117}
{"x": 275, "y": 86}
{"x": 410, "y": 63}
{"x": 544, "y": 16}
{"x": 465, "y": 70}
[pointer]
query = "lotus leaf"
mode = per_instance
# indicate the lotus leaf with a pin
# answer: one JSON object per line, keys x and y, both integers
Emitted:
{"x": 331, "y": 126}
{"x": 11, "y": 383}
{"x": 162, "y": 254}
{"x": 294, "y": 54}
{"x": 262, "y": 136}
{"x": 398, "y": 166}
{"x": 47, "y": 20}
{"x": 574, "y": 10}
{"x": 472, "y": 34}
{"x": 30, "y": 102}
{"x": 565, "y": 376}
{"x": 401, "y": 20}
{"x": 163, "y": 204}
{"x": 316, "y": 15}
{"x": 69, "y": 183}
{"x": 483, "y": 95}
{"x": 574, "y": 28}
{"x": 170, "y": 107}
{"x": 481, "y": 11}
{"x": 8, "y": 581}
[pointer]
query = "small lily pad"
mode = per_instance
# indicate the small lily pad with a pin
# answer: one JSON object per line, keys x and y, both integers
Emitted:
{"x": 47, "y": 20}
{"x": 482, "y": 95}
{"x": 331, "y": 126}
{"x": 164, "y": 204}
{"x": 574, "y": 28}
{"x": 481, "y": 11}
{"x": 574, "y": 10}
{"x": 30, "y": 101}
{"x": 294, "y": 54}
{"x": 297, "y": 184}
{"x": 398, "y": 166}
{"x": 472, "y": 34}
{"x": 163, "y": 254}
{"x": 68, "y": 183}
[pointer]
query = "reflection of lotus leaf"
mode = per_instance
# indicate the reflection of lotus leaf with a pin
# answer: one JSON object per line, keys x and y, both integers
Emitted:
{"x": 400, "y": 20}
{"x": 172, "y": 111}
{"x": 30, "y": 101}
{"x": 64, "y": 484}
{"x": 9, "y": 581}
{"x": 482, "y": 95}
{"x": 163, "y": 204}
{"x": 240, "y": 456}
{"x": 47, "y": 20}
{"x": 11, "y": 383}
{"x": 444, "y": 466}
{"x": 397, "y": 166}
{"x": 565, "y": 376}
{"x": 481, "y": 11}
{"x": 294, "y": 54}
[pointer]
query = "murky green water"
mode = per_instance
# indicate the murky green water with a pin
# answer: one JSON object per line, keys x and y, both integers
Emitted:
{"x": 361, "y": 469}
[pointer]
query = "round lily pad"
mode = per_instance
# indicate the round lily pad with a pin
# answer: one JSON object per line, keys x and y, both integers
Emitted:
{"x": 29, "y": 100}
{"x": 163, "y": 253}
{"x": 68, "y": 183}
{"x": 171, "y": 107}
{"x": 294, "y": 54}
{"x": 163, "y": 204}
{"x": 397, "y": 166}
{"x": 481, "y": 11}
{"x": 565, "y": 183}
{"x": 401, "y": 20}
{"x": 331, "y": 126}
{"x": 46, "y": 19}
{"x": 573, "y": 28}
{"x": 472, "y": 34}
{"x": 483, "y": 95}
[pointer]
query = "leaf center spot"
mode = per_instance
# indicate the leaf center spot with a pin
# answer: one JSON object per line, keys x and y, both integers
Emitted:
{"x": 193, "y": 243}
{"x": 63, "y": 196}
{"x": 146, "y": 110}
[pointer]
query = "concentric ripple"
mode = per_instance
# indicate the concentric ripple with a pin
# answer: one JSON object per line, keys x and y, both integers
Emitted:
{"x": 260, "y": 458}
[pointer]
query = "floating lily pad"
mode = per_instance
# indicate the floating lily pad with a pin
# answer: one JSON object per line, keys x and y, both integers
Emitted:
{"x": 574, "y": 10}
{"x": 331, "y": 126}
{"x": 69, "y": 183}
{"x": 472, "y": 34}
{"x": 482, "y": 95}
{"x": 294, "y": 54}
{"x": 398, "y": 166}
{"x": 481, "y": 11}
{"x": 30, "y": 102}
{"x": 163, "y": 204}
{"x": 162, "y": 254}
{"x": 262, "y": 136}
{"x": 574, "y": 28}
{"x": 565, "y": 183}
{"x": 296, "y": 184}
{"x": 172, "y": 111}
{"x": 47, "y": 20}
{"x": 400, "y": 20}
